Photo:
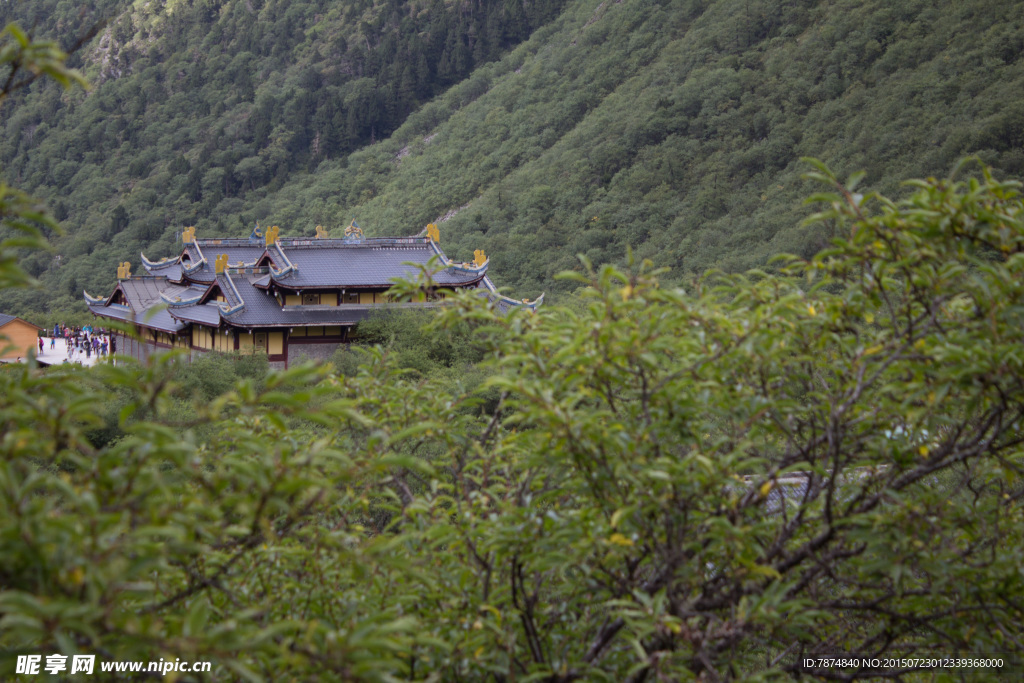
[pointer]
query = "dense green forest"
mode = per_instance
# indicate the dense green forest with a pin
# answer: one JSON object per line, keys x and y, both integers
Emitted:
{"x": 541, "y": 130}
{"x": 197, "y": 105}
{"x": 827, "y": 464}
{"x": 827, "y": 461}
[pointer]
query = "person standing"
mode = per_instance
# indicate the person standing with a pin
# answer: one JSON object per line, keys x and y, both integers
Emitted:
{"x": 103, "y": 347}
{"x": 40, "y": 346}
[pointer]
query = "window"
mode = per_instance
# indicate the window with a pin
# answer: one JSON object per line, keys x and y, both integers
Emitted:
{"x": 310, "y": 299}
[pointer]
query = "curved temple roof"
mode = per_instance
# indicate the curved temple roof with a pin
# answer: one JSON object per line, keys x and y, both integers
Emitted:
{"x": 254, "y": 278}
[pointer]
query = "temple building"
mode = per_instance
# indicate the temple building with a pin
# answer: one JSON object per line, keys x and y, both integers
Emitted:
{"x": 290, "y": 298}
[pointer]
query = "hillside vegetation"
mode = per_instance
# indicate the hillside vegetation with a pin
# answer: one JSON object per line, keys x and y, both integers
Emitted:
{"x": 828, "y": 461}
{"x": 202, "y": 107}
{"x": 670, "y": 127}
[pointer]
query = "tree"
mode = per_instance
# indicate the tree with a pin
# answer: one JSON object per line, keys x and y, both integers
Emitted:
{"x": 119, "y": 220}
{"x": 717, "y": 484}
{"x": 724, "y": 483}
{"x": 22, "y": 219}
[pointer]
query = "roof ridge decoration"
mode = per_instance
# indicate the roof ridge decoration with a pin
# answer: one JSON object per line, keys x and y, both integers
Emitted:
{"x": 124, "y": 270}
{"x": 271, "y": 236}
{"x": 178, "y": 301}
{"x": 474, "y": 268}
{"x": 255, "y": 237}
{"x": 94, "y": 300}
{"x": 165, "y": 261}
{"x": 196, "y": 264}
{"x": 289, "y": 266}
{"x": 321, "y": 234}
{"x": 432, "y": 232}
{"x": 440, "y": 254}
{"x": 525, "y": 303}
{"x": 188, "y": 235}
{"x": 228, "y": 309}
{"x": 479, "y": 265}
{"x": 353, "y": 233}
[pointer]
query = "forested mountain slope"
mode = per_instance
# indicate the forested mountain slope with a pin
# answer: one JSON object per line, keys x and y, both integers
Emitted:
{"x": 199, "y": 104}
{"x": 671, "y": 127}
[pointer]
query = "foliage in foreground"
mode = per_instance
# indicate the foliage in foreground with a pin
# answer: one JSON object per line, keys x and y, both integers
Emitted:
{"x": 672, "y": 485}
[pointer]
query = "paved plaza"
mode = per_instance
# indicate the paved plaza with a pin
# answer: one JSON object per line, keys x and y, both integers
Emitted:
{"x": 59, "y": 354}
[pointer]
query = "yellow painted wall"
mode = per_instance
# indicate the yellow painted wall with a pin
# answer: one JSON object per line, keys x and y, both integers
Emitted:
{"x": 299, "y": 332}
{"x": 330, "y": 299}
{"x": 245, "y": 344}
{"x": 202, "y": 337}
{"x": 366, "y": 297}
{"x": 292, "y": 300}
{"x": 276, "y": 343}
{"x": 332, "y": 331}
{"x": 224, "y": 342}
{"x": 315, "y": 331}
{"x": 21, "y": 336}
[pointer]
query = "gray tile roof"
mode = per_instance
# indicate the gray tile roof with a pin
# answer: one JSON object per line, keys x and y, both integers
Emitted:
{"x": 170, "y": 270}
{"x": 161, "y": 319}
{"x": 207, "y": 314}
{"x": 263, "y": 310}
{"x": 232, "y": 294}
{"x": 158, "y": 319}
{"x": 211, "y": 249}
{"x": 143, "y": 292}
{"x": 4, "y": 318}
{"x": 363, "y": 266}
{"x": 113, "y": 311}
{"x": 299, "y": 263}
{"x": 187, "y": 291}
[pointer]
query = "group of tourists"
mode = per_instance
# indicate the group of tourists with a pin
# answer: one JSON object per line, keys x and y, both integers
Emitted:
{"x": 81, "y": 341}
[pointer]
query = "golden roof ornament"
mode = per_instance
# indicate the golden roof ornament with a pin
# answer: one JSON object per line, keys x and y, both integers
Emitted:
{"x": 479, "y": 258}
{"x": 353, "y": 231}
{"x": 271, "y": 235}
{"x": 432, "y": 233}
{"x": 220, "y": 263}
{"x": 321, "y": 233}
{"x": 188, "y": 236}
{"x": 124, "y": 271}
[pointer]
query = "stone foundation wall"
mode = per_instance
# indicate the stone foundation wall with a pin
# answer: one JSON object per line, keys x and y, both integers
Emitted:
{"x": 298, "y": 352}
